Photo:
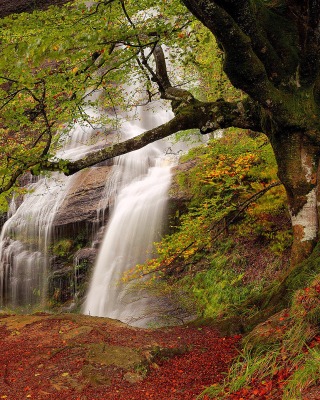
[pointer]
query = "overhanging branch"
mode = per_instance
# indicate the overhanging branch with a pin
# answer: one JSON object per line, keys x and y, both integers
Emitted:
{"x": 175, "y": 125}
{"x": 207, "y": 117}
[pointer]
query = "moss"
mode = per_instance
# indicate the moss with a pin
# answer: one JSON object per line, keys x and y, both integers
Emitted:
{"x": 121, "y": 357}
{"x": 62, "y": 247}
{"x": 95, "y": 376}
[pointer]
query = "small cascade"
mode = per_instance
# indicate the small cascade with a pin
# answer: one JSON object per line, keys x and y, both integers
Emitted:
{"x": 26, "y": 236}
{"x": 139, "y": 185}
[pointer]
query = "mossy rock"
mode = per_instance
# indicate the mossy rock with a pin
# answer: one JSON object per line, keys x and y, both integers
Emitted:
{"x": 121, "y": 357}
{"x": 77, "y": 332}
{"x": 132, "y": 377}
{"x": 227, "y": 326}
{"x": 66, "y": 381}
{"x": 95, "y": 376}
{"x": 14, "y": 322}
{"x": 270, "y": 331}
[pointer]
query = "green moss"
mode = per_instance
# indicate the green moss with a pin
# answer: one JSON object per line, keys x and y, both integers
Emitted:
{"x": 62, "y": 247}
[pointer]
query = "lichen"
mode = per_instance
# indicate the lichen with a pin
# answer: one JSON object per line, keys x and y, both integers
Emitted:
{"x": 307, "y": 217}
{"x": 306, "y": 163}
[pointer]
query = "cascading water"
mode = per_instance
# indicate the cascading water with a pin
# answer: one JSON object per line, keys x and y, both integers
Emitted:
{"x": 142, "y": 179}
{"x": 26, "y": 235}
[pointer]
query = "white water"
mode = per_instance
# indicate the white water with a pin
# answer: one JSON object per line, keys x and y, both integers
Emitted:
{"x": 140, "y": 182}
{"x": 136, "y": 188}
{"x": 26, "y": 236}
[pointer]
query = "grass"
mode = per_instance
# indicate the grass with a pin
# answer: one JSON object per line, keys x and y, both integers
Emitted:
{"x": 219, "y": 286}
{"x": 283, "y": 352}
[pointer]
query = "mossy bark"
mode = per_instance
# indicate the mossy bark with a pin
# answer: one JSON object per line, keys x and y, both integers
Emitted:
{"x": 298, "y": 164}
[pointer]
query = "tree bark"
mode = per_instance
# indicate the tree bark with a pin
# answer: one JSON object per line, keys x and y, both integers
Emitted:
{"x": 298, "y": 169}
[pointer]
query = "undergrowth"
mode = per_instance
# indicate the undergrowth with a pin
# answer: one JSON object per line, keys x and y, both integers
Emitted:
{"x": 280, "y": 356}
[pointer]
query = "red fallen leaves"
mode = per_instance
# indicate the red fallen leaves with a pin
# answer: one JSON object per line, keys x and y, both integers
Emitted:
{"x": 313, "y": 342}
{"x": 33, "y": 371}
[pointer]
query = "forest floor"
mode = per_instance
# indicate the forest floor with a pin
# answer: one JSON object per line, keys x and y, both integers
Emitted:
{"x": 73, "y": 356}
{"x": 70, "y": 356}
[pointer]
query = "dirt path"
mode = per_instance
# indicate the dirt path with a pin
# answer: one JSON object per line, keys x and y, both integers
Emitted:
{"x": 70, "y": 356}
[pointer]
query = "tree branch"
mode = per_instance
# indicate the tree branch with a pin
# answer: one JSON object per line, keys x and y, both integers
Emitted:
{"x": 175, "y": 125}
{"x": 246, "y": 16}
{"x": 207, "y": 117}
{"x": 243, "y": 67}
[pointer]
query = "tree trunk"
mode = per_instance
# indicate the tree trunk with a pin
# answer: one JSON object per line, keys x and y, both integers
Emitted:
{"x": 298, "y": 164}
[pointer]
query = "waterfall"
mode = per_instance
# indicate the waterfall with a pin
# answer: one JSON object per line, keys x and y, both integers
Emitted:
{"x": 27, "y": 235}
{"x": 135, "y": 190}
{"x": 141, "y": 180}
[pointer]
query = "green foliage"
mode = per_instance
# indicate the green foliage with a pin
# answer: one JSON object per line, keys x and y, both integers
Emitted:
{"x": 219, "y": 286}
{"x": 207, "y": 65}
{"x": 62, "y": 247}
{"x": 82, "y": 239}
{"x": 51, "y": 61}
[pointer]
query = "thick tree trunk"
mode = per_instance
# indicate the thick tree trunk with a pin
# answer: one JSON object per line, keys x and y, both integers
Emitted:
{"x": 298, "y": 164}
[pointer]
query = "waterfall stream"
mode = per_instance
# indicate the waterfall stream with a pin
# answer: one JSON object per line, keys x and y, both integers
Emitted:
{"x": 142, "y": 179}
{"x": 26, "y": 236}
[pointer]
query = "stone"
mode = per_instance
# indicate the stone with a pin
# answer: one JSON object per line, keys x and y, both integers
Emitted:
{"x": 79, "y": 210}
{"x": 131, "y": 377}
{"x": 121, "y": 357}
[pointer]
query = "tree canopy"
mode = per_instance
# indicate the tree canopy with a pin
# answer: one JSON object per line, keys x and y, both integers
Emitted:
{"x": 50, "y": 60}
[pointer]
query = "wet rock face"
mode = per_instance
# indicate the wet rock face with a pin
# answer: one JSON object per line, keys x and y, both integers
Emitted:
{"x": 75, "y": 228}
{"x": 3, "y": 218}
{"x": 86, "y": 255}
{"x": 70, "y": 278}
{"x": 178, "y": 197}
{"x": 61, "y": 284}
{"x": 79, "y": 210}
